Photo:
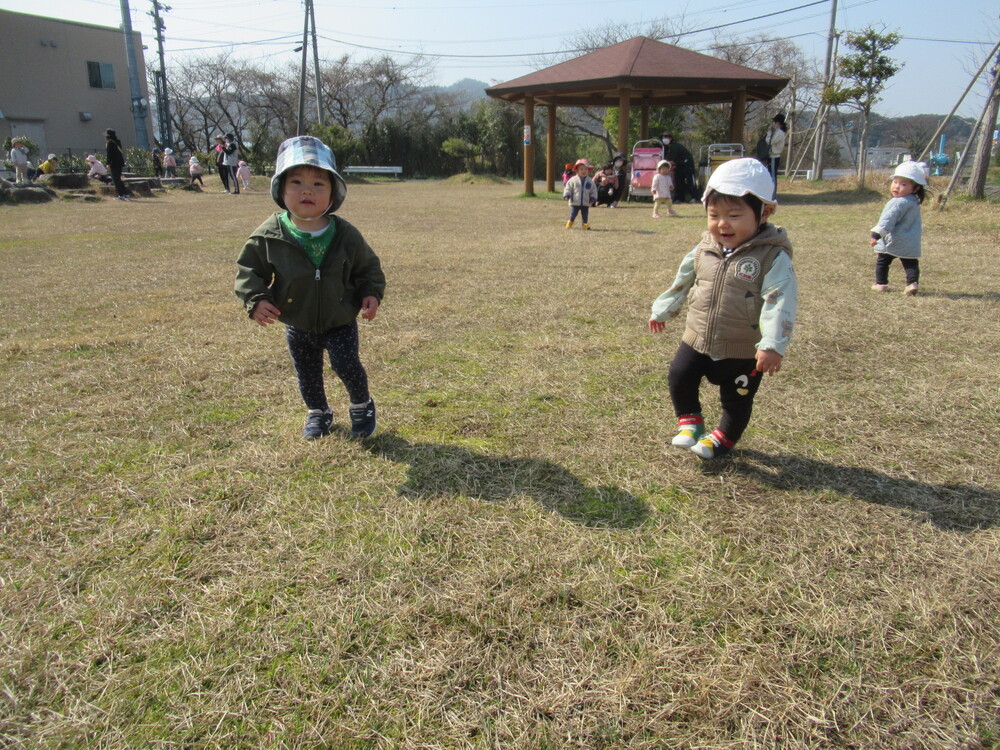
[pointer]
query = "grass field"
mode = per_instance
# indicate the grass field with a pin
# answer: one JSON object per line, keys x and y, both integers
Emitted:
{"x": 519, "y": 559}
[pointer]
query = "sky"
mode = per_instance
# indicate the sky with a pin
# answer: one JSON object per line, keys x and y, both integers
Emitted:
{"x": 942, "y": 47}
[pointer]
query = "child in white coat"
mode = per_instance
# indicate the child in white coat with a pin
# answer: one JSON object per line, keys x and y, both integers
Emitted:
{"x": 581, "y": 192}
{"x": 662, "y": 186}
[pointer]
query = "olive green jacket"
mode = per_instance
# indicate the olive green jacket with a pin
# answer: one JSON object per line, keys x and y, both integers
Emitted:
{"x": 273, "y": 267}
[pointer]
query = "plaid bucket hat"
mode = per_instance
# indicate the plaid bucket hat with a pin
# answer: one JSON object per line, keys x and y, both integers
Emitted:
{"x": 304, "y": 150}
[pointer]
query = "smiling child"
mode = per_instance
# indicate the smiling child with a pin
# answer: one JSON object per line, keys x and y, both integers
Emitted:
{"x": 742, "y": 306}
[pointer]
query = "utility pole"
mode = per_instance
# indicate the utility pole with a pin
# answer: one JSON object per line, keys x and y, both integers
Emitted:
{"x": 301, "y": 128}
{"x": 820, "y": 142}
{"x": 310, "y": 18}
{"x": 160, "y": 76}
{"x": 139, "y": 103}
{"x": 319, "y": 85}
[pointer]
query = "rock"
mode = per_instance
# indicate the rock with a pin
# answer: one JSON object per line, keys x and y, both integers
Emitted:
{"x": 27, "y": 194}
{"x": 70, "y": 181}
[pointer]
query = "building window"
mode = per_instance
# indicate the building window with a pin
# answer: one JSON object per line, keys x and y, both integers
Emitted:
{"x": 102, "y": 75}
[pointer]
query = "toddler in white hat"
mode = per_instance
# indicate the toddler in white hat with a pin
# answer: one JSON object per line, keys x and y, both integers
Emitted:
{"x": 742, "y": 296}
{"x": 899, "y": 229}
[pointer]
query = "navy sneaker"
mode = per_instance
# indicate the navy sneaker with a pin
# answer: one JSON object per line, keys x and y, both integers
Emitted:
{"x": 363, "y": 422}
{"x": 318, "y": 424}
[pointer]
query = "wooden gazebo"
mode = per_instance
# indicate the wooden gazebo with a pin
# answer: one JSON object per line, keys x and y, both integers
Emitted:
{"x": 639, "y": 72}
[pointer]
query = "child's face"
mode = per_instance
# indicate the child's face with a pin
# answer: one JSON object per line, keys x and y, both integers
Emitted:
{"x": 307, "y": 192}
{"x": 733, "y": 222}
{"x": 583, "y": 170}
{"x": 902, "y": 186}
{"x": 665, "y": 169}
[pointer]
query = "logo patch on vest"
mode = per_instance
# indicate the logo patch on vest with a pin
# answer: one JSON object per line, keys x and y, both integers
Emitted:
{"x": 748, "y": 269}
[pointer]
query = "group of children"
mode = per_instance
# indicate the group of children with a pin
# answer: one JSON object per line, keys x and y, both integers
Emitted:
{"x": 583, "y": 191}
{"x": 196, "y": 170}
{"x": 308, "y": 268}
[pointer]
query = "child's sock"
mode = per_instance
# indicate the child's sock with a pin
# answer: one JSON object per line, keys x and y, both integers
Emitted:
{"x": 690, "y": 428}
{"x": 713, "y": 445}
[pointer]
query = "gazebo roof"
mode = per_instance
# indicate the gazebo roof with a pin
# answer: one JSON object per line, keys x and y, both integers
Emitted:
{"x": 652, "y": 72}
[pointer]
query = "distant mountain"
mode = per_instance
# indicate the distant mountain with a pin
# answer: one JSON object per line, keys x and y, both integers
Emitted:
{"x": 468, "y": 90}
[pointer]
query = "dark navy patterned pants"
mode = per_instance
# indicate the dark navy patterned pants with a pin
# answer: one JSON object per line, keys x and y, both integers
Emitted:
{"x": 341, "y": 344}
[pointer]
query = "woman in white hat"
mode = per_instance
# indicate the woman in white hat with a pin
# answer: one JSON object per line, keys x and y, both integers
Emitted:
{"x": 898, "y": 231}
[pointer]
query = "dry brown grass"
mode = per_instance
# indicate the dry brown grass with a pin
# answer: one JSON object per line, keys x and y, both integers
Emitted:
{"x": 518, "y": 560}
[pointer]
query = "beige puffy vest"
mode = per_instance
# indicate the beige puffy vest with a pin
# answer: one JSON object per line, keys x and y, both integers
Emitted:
{"x": 724, "y": 305}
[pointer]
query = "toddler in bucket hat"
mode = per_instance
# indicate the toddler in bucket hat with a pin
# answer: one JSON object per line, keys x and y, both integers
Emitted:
{"x": 304, "y": 150}
{"x": 311, "y": 270}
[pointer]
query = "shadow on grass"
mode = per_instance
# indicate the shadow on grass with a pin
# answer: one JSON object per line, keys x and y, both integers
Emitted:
{"x": 952, "y": 507}
{"x": 990, "y": 296}
{"x": 438, "y": 469}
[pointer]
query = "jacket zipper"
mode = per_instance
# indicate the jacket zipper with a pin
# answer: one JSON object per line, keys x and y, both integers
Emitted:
{"x": 319, "y": 300}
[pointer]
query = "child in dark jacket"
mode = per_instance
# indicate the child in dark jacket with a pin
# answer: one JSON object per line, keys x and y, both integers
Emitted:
{"x": 314, "y": 272}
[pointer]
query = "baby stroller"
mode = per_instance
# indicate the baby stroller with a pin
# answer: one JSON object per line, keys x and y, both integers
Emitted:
{"x": 645, "y": 155}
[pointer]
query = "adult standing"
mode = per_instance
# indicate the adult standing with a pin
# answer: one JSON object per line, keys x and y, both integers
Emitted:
{"x": 685, "y": 189}
{"x": 157, "y": 163}
{"x": 19, "y": 158}
{"x": 620, "y": 163}
{"x": 220, "y": 162}
{"x": 232, "y": 158}
{"x": 116, "y": 163}
{"x": 776, "y": 135}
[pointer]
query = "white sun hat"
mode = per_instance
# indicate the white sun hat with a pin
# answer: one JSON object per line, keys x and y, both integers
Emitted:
{"x": 741, "y": 177}
{"x": 913, "y": 170}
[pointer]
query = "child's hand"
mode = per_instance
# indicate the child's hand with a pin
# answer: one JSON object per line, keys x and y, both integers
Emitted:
{"x": 768, "y": 361}
{"x": 369, "y": 307}
{"x": 874, "y": 242}
{"x": 264, "y": 313}
{"x": 656, "y": 326}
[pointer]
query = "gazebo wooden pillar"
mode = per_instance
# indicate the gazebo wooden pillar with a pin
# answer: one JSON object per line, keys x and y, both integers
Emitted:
{"x": 529, "y": 145}
{"x": 624, "y": 102}
{"x": 550, "y": 151}
{"x": 737, "y": 120}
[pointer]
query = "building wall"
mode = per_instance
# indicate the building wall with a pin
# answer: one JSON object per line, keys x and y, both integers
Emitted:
{"x": 45, "y": 83}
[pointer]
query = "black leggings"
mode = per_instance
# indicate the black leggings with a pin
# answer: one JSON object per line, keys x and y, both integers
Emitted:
{"x": 737, "y": 387}
{"x": 910, "y": 265}
{"x": 224, "y": 175}
{"x": 116, "y": 177}
{"x": 341, "y": 344}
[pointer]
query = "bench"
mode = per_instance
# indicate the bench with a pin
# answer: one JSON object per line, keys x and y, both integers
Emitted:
{"x": 396, "y": 171}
